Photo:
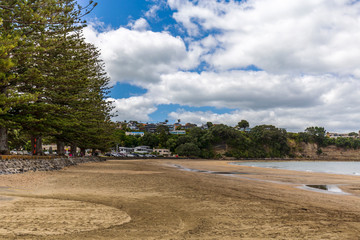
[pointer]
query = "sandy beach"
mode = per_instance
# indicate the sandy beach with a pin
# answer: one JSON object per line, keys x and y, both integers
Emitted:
{"x": 160, "y": 199}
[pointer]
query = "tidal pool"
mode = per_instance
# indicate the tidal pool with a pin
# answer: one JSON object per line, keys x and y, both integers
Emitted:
{"x": 327, "y": 188}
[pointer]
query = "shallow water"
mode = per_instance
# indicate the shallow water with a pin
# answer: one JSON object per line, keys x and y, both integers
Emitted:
{"x": 347, "y": 168}
{"x": 330, "y": 189}
{"x": 325, "y": 188}
{"x": 205, "y": 171}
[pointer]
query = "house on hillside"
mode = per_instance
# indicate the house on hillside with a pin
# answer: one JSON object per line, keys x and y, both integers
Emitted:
{"x": 171, "y": 127}
{"x": 188, "y": 126}
{"x": 177, "y": 126}
{"x": 126, "y": 150}
{"x": 142, "y": 149}
{"x": 178, "y": 132}
{"x": 162, "y": 152}
{"x": 133, "y": 125}
{"x": 134, "y": 134}
{"x": 243, "y": 129}
{"x": 150, "y": 128}
{"x": 344, "y": 135}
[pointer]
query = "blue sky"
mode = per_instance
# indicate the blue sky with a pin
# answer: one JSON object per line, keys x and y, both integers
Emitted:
{"x": 292, "y": 64}
{"x": 119, "y": 13}
{"x": 116, "y": 13}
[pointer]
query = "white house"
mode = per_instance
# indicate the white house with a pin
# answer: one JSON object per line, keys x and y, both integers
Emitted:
{"x": 163, "y": 152}
{"x": 178, "y": 132}
{"x": 142, "y": 149}
{"x": 125, "y": 150}
{"x": 134, "y": 134}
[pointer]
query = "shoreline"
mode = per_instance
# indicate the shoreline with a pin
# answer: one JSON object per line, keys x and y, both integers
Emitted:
{"x": 150, "y": 199}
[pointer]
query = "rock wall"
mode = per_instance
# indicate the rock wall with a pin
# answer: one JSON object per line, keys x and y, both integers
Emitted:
{"x": 332, "y": 152}
{"x": 21, "y": 165}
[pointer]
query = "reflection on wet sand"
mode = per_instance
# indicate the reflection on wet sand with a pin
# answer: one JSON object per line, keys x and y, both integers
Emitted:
{"x": 211, "y": 172}
{"x": 332, "y": 189}
{"x": 325, "y": 188}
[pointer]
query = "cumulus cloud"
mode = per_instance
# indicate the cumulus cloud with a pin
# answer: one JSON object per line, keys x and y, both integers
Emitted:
{"x": 292, "y": 119}
{"x": 261, "y": 98}
{"x": 307, "y": 50}
{"x": 137, "y": 56}
{"x": 157, "y": 5}
{"x": 133, "y": 108}
{"x": 242, "y": 89}
{"x": 139, "y": 25}
{"x": 285, "y": 101}
{"x": 278, "y": 36}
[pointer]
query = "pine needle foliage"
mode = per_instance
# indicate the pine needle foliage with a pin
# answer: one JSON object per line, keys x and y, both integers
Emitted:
{"x": 52, "y": 83}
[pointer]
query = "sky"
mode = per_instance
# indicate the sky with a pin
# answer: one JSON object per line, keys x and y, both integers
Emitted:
{"x": 292, "y": 64}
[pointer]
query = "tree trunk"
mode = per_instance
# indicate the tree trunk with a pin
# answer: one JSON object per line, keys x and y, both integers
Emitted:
{"x": 82, "y": 151}
{"x": 36, "y": 145}
{"x": 93, "y": 152}
{"x": 73, "y": 150}
{"x": 60, "y": 148}
{"x": 4, "y": 147}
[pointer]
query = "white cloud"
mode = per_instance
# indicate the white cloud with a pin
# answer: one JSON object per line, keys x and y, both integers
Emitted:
{"x": 310, "y": 37}
{"x": 139, "y": 57}
{"x": 284, "y": 101}
{"x": 308, "y": 51}
{"x": 133, "y": 108}
{"x": 241, "y": 89}
{"x": 139, "y": 25}
{"x": 292, "y": 119}
{"x": 157, "y": 5}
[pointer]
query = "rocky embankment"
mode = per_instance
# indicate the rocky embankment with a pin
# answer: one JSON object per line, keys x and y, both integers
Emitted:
{"x": 22, "y": 164}
{"x": 311, "y": 151}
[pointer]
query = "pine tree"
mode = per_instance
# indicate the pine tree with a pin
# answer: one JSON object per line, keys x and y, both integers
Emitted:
{"x": 89, "y": 120}
{"x": 34, "y": 31}
{"x": 16, "y": 47}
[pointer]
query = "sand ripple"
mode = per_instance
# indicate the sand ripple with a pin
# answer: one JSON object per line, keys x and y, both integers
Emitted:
{"x": 51, "y": 217}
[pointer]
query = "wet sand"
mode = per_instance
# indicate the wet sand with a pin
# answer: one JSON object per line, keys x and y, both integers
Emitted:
{"x": 157, "y": 199}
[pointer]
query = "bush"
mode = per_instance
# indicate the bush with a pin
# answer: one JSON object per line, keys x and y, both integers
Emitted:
{"x": 189, "y": 150}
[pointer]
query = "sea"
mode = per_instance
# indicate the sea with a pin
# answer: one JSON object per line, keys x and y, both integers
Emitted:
{"x": 346, "y": 168}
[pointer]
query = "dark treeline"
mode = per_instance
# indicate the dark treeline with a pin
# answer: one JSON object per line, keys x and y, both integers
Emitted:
{"x": 263, "y": 141}
{"x": 52, "y": 83}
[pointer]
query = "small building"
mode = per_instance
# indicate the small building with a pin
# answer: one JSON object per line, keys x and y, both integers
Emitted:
{"x": 247, "y": 129}
{"x": 133, "y": 125}
{"x": 151, "y": 128}
{"x": 134, "y": 134}
{"x": 52, "y": 149}
{"x": 189, "y": 126}
{"x": 178, "y": 132}
{"x": 171, "y": 127}
{"x": 163, "y": 152}
{"x": 337, "y": 135}
{"x": 125, "y": 150}
{"x": 142, "y": 149}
